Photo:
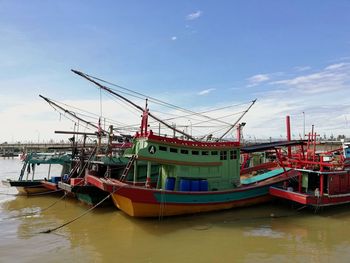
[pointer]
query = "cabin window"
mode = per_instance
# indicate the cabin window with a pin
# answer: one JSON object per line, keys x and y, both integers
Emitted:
{"x": 162, "y": 148}
{"x": 173, "y": 150}
{"x": 223, "y": 155}
{"x": 184, "y": 151}
{"x": 205, "y": 153}
{"x": 195, "y": 152}
{"x": 233, "y": 155}
{"x": 214, "y": 153}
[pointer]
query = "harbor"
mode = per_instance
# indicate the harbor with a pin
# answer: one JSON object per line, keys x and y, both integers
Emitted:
{"x": 187, "y": 131}
{"x": 64, "y": 209}
{"x": 108, "y": 189}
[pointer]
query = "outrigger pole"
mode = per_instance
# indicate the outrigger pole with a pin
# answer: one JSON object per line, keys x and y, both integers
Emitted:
{"x": 72, "y": 114}
{"x": 233, "y": 125}
{"x": 132, "y": 103}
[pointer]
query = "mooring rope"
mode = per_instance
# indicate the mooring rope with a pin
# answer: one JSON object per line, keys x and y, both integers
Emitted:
{"x": 162, "y": 205}
{"x": 48, "y": 192}
{"x": 43, "y": 193}
{"x": 81, "y": 215}
{"x": 76, "y": 218}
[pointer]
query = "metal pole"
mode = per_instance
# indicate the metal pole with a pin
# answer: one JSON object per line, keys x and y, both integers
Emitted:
{"x": 288, "y": 136}
{"x": 304, "y": 125}
{"x": 135, "y": 172}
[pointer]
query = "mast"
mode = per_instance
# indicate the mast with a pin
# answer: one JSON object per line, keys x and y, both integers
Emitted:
{"x": 132, "y": 103}
{"x": 233, "y": 125}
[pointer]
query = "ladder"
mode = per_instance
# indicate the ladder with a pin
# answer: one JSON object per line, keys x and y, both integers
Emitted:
{"x": 127, "y": 168}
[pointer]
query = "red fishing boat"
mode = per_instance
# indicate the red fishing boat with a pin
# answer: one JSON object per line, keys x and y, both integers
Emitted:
{"x": 323, "y": 178}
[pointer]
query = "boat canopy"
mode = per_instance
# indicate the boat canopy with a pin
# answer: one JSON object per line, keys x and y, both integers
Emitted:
{"x": 43, "y": 158}
{"x": 271, "y": 145}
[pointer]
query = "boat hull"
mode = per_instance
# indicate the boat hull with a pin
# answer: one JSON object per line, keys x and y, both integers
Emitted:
{"x": 27, "y": 187}
{"x": 142, "y": 209}
{"x": 140, "y": 201}
{"x": 308, "y": 199}
{"x": 92, "y": 196}
{"x": 50, "y": 186}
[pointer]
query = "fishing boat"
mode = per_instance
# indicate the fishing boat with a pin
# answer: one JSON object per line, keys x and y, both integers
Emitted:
{"x": 323, "y": 178}
{"x": 29, "y": 182}
{"x": 99, "y": 160}
{"x": 89, "y": 194}
{"x": 194, "y": 175}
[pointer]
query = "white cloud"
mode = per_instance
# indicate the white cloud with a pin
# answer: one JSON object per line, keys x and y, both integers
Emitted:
{"x": 173, "y": 38}
{"x": 257, "y": 79}
{"x": 206, "y": 91}
{"x": 302, "y": 68}
{"x": 336, "y": 66}
{"x": 194, "y": 15}
{"x": 332, "y": 78}
{"x": 320, "y": 94}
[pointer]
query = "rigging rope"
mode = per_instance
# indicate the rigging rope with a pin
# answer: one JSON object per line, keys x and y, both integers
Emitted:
{"x": 154, "y": 100}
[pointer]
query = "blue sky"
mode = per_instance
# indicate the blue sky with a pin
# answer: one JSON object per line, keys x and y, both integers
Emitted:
{"x": 293, "y": 56}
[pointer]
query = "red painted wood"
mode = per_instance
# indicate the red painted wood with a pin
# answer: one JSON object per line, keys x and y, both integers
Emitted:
{"x": 95, "y": 181}
{"x": 76, "y": 181}
{"x": 343, "y": 181}
{"x": 151, "y": 136}
{"x": 49, "y": 185}
{"x": 310, "y": 199}
{"x": 289, "y": 195}
{"x": 333, "y": 185}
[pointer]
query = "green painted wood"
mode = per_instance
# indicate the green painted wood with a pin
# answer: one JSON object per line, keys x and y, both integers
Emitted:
{"x": 206, "y": 198}
{"x": 185, "y": 162}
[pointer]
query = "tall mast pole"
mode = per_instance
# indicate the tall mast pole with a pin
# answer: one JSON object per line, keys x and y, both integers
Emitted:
{"x": 70, "y": 113}
{"x": 132, "y": 103}
{"x": 233, "y": 125}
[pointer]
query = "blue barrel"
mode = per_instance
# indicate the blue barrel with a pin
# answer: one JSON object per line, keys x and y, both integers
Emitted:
{"x": 185, "y": 185}
{"x": 195, "y": 185}
{"x": 203, "y": 185}
{"x": 65, "y": 177}
{"x": 55, "y": 179}
{"x": 170, "y": 183}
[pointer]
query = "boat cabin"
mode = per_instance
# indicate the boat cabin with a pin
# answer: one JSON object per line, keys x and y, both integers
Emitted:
{"x": 185, "y": 165}
{"x": 324, "y": 183}
{"x": 35, "y": 159}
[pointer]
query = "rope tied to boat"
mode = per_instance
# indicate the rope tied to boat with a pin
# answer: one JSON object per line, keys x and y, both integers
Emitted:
{"x": 81, "y": 215}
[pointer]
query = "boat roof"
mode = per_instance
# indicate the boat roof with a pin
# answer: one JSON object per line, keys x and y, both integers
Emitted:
{"x": 326, "y": 172}
{"x": 263, "y": 176}
{"x": 271, "y": 145}
{"x": 187, "y": 143}
{"x": 48, "y": 158}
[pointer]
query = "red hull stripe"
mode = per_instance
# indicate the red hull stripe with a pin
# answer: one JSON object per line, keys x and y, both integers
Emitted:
{"x": 309, "y": 199}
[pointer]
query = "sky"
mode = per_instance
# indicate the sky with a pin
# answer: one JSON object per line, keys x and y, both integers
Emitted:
{"x": 292, "y": 56}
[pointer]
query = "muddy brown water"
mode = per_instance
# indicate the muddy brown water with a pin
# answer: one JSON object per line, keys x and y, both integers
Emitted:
{"x": 273, "y": 232}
